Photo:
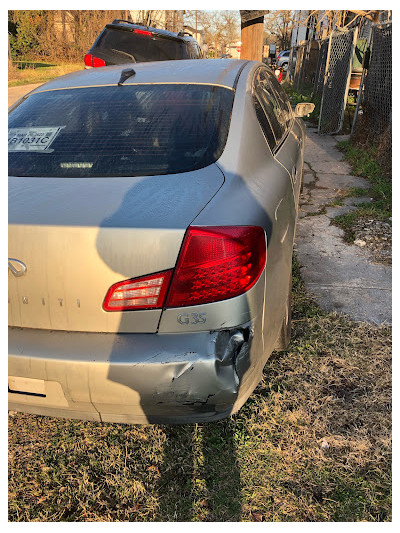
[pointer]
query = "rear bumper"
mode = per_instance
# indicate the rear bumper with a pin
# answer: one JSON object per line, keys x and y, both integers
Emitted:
{"x": 133, "y": 378}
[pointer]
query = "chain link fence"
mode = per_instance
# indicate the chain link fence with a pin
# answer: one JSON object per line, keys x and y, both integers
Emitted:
{"x": 355, "y": 59}
{"x": 336, "y": 80}
{"x": 373, "y": 115}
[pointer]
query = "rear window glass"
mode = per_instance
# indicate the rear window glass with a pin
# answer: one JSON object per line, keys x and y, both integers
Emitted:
{"x": 140, "y": 48}
{"x": 119, "y": 131}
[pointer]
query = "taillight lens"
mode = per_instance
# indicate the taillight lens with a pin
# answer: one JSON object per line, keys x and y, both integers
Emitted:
{"x": 217, "y": 263}
{"x": 147, "y": 292}
{"x": 143, "y": 32}
{"x": 93, "y": 61}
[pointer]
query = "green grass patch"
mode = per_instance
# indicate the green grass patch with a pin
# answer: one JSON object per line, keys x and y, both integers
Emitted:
{"x": 358, "y": 192}
{"x": 364, "y": 163}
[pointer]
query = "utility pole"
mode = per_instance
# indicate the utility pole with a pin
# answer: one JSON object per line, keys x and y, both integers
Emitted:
{"x": 252, "y": 25}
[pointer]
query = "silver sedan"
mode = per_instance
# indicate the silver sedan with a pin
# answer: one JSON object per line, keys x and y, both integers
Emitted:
{"x": 152, "y": 212}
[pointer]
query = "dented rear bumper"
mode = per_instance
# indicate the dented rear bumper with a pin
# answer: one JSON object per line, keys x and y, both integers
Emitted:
{"x": 133, "y": 378}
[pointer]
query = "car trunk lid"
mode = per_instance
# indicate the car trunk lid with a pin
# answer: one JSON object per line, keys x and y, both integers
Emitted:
{"x": 79, "y": 236}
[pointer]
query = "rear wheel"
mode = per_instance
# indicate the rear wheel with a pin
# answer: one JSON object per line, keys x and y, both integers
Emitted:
{"x": 284, "y": 335}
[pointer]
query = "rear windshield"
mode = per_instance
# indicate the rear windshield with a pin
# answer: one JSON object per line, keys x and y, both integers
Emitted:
{"x": 127, "y": 130}
{"x": 139, "y": 47}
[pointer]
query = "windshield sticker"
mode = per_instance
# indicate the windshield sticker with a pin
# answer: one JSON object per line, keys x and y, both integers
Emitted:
{"x": 32, "y": 139}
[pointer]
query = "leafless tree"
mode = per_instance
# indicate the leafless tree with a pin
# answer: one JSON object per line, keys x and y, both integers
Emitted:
{"x": 150, "y": 17}
{"x": 279, "y": 25}
{"x": 221, "y": 28}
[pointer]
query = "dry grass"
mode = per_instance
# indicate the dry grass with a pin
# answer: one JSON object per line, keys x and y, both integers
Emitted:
{"x": 313, "y": 443}
{"x": 39, "y": 72}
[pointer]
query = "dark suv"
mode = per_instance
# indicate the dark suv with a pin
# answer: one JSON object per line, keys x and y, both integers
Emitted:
{"x": 125, "y": 42}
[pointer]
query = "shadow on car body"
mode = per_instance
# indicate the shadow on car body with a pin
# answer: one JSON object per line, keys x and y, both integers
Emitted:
{"x": 174, "y": 374}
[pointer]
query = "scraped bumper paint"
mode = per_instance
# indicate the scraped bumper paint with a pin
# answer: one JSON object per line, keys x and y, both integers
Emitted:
{"x": 133, "y": 378}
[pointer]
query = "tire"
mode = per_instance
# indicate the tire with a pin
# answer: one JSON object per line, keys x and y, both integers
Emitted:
{"x": 284, "y": 335}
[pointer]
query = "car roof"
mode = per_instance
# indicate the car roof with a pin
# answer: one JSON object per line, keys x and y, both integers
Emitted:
{"x": 223, "y": 72}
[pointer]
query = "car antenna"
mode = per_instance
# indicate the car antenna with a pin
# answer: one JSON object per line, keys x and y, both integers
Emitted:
{"x": 125, "y": 74}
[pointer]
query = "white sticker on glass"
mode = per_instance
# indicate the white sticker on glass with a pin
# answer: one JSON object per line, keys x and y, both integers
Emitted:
{"x": 34, "y": 139}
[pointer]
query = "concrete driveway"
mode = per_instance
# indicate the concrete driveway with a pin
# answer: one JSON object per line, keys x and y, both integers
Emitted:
{"x": 342, "y": 277}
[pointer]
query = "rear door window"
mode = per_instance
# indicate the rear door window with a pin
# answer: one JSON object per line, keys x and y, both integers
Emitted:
{"x": 264, "y": 122}
{"x": 282, "y": 98}
{"x": 275, "y": 106}
{"x": 129, "y": 130}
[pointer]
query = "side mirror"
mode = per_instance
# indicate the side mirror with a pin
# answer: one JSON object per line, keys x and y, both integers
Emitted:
{"x": 302, "y": 110}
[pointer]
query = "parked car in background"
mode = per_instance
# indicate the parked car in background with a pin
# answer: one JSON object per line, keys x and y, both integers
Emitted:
{"x": 152, "y": 214}
{"x": 124, "y": 42}
{"x": 283, "y": 59}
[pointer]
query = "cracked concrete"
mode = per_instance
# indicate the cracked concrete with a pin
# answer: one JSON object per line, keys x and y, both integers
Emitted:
{"x": 340, "y": 276}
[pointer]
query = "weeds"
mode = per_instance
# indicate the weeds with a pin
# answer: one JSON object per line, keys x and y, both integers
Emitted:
{"x": 364, "y": 163}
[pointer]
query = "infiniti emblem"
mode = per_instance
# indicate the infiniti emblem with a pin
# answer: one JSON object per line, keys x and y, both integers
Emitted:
{"x": 17, "y": 267}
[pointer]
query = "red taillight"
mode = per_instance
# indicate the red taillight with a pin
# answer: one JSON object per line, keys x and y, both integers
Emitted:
{"x": 93, "y": 61}
{"x": 217, "y": 263}
{"x": 143, "y": 32}
{"x": 147, "y": 292}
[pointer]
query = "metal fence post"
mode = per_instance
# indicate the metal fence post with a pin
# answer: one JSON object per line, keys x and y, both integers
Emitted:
{"x": 306, "y": 61}
{"x": 346, "y": 92}
{"x": 328, "y": 55}
{"x": 360, "y": 90}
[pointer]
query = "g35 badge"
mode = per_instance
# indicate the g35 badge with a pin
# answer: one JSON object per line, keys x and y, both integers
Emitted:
{"x": 192, "y": 318}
